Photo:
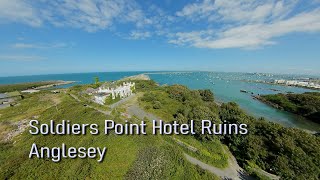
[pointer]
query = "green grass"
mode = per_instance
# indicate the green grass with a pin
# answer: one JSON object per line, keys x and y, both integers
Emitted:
{"x": 209, "y": 152}
{"x": 123, "y": 151}
{"x": 169, "y": 106}
{"x": 31, "y": 105}
{"x": 165, "y": 162}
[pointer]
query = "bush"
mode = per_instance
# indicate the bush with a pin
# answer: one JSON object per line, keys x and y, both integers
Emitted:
{"x": 306, "y": 104}
{"x": 145, "y": 85}
{"x": 157, "y": 105}
{"x": 206, "y": 95}
{"x": 179, "y": 93}
{"x": 287, "y": 152}
{"x": 148, "y": 97}
{"x": 147, "y": 107}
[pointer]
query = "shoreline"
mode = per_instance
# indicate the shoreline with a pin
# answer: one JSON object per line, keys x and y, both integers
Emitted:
{"x": 36, "y": 85}
{"x": 57, "y": 83}
{"x": 276, "y": 84}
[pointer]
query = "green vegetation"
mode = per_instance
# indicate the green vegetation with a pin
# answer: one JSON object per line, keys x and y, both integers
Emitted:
{"x": 306, "y": 104}
{"x": 288, "y": 152}
{"x": 31, "y": 105}
{"x": 23, "y": 86}
{"x": 145, "y": 85}
{"x": 181, "y": 104}
{"x": 211, "y": 152}
{"x": 164, "y": 163}
{"x": 123, "y": 158}
{"x": 96, "y": 80}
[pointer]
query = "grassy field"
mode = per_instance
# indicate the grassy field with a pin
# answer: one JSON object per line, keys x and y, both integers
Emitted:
{"x": 127, "y": 156}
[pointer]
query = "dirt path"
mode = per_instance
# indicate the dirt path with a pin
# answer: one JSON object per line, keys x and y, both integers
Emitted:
{"x": 234, "y": 171}
{"x": 75, "y": 97}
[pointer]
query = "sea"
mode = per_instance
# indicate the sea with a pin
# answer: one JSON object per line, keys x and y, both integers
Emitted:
{"x": 226, "y": 87}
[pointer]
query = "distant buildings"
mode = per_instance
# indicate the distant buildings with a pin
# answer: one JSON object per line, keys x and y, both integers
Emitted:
{"x": 111, "y": 91}
{"x": 281, "y": 81}
{"x": 302, "y": 83}
{"x": 8, "y": 99}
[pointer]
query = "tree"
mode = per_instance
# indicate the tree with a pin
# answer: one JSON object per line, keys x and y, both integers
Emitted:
{"x": 206, "y": 95}
{"x": 96, "y": 80}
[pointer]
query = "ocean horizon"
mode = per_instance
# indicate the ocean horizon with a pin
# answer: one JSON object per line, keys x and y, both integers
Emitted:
{"x": 159, "y": 71}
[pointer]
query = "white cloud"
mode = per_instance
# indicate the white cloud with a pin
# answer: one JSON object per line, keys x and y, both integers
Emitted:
{"x": 18, "y": 11}
{"x": 203, "y": 24}
{"x": 38, "y": 46}
{"x": 89, "y": 15}
{"x": 23, "y": 58}
{"x": 140, "y": 35}
{"x": 253, "y": 28}
{"x": 237, "y": 11}
{"x": 197, "y": 9}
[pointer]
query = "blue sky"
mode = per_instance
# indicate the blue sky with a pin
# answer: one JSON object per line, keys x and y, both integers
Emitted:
{"x": 67, "y": 36}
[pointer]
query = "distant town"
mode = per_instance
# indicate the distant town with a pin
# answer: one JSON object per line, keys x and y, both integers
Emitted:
{"x": 308, "y": 83}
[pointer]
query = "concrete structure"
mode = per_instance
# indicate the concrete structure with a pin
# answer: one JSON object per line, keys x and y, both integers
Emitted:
{"x": 7, "y": 99}
{"x": 105, "y": 91}
{"x": 30, "y": 91}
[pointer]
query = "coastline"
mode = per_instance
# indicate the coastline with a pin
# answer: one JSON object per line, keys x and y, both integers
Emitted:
{"x": 56, "y": 83}
{"x": 278, "y": 84}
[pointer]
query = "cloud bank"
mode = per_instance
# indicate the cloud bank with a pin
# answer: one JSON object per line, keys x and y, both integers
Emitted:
{"x": 212, "y": 24}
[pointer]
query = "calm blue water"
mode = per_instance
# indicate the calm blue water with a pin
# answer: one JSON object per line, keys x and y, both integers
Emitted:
{"x": 81, "y": 78}
{"x": 226, "y": 87}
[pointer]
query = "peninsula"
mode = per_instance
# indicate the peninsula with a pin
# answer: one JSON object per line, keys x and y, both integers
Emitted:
{"x": 306, "y": 104}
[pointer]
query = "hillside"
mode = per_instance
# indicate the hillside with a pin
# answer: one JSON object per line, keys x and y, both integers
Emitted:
{"x": 128, "y": 157}
{"x": 287, "y": 152}
{"x": 268, "y": 148}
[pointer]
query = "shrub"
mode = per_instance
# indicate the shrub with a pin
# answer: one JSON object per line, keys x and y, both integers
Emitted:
{"x": 206, "y": 95}
{"x": 157, "y": 105}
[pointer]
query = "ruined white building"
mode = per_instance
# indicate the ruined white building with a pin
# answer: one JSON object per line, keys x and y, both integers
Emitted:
{"x": 121, "y": 91}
